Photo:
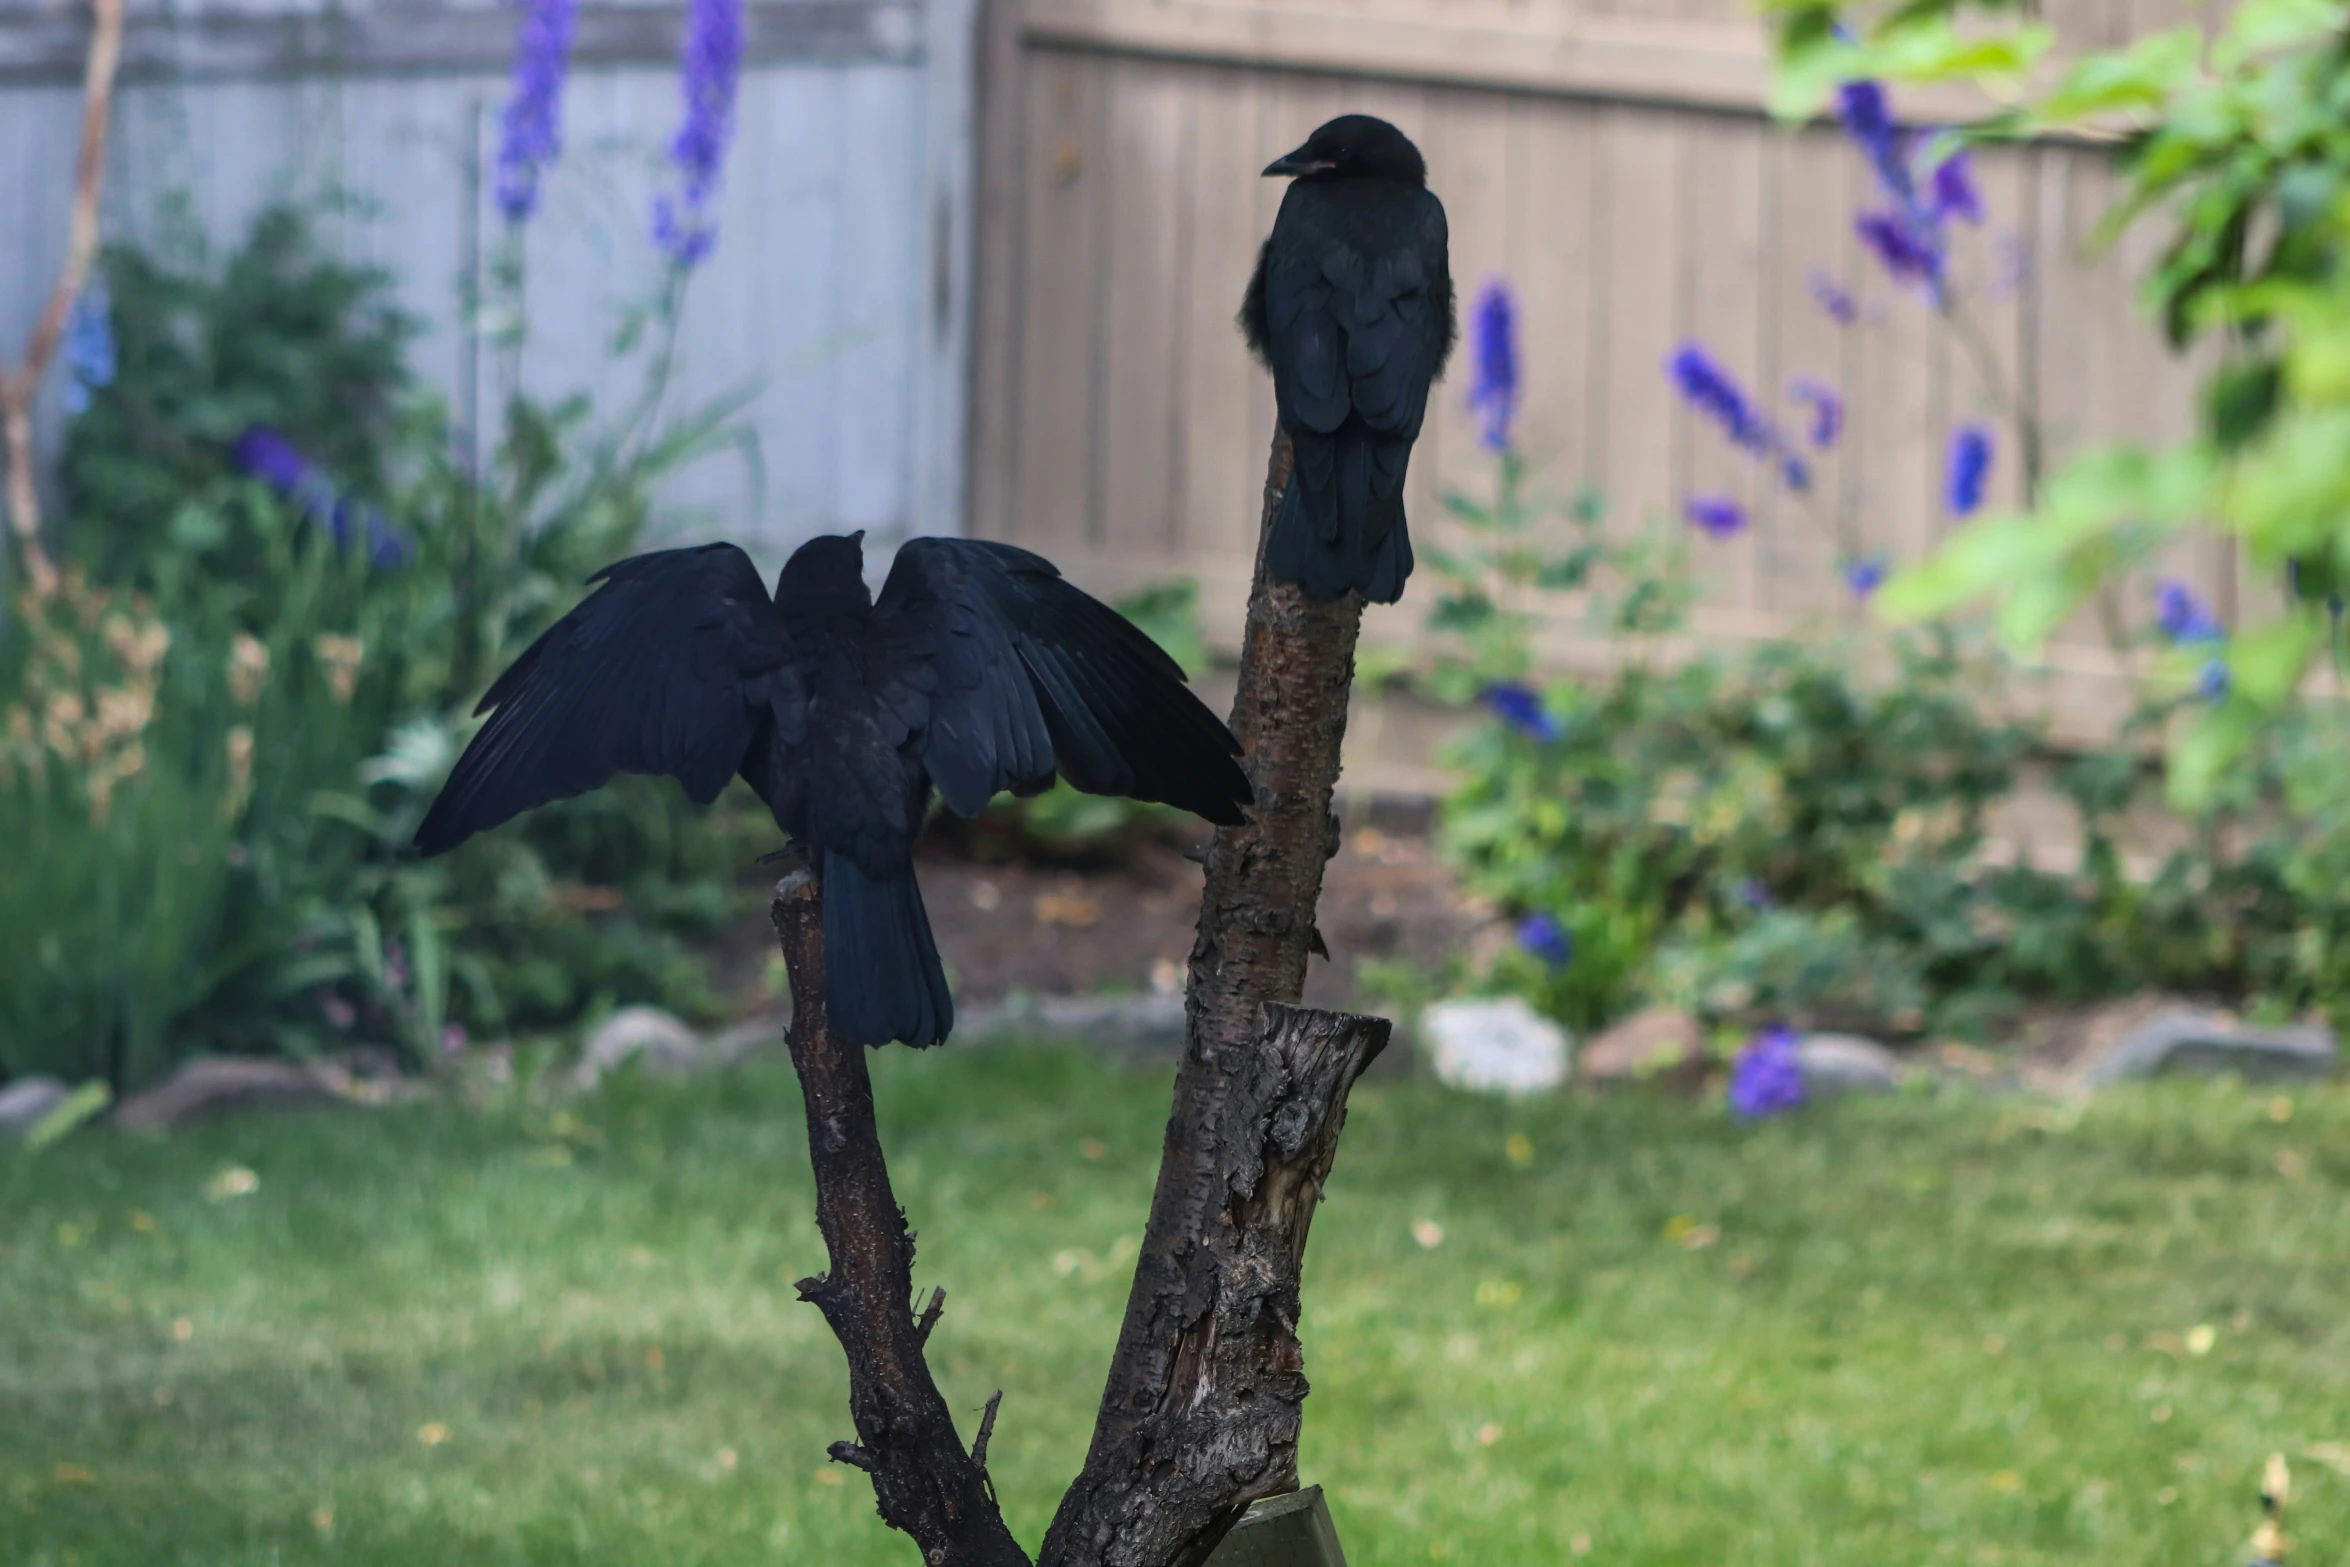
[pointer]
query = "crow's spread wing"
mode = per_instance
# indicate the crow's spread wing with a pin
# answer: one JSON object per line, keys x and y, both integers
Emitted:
{"x": 1008, "y": 674}
{"x": 665, "y": 668}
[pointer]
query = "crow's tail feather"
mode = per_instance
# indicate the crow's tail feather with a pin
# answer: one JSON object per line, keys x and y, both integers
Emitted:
{"x": 882, "y": 977}
{"x": 1354, "y": 539}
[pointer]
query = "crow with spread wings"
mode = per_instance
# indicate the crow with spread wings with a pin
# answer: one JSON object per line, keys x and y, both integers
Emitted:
{"x": 978, "y": 669}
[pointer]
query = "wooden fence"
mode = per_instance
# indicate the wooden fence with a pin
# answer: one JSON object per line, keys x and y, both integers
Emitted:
{"x": 1614, "y": 165}
{"x": 836, "y": 296}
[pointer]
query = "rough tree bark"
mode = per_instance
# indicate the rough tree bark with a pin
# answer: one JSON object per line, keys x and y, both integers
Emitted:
{"x": 1204, "y": 1401}
{"x": 924, "y": 1481}
{"x": 1202, "y": 1408}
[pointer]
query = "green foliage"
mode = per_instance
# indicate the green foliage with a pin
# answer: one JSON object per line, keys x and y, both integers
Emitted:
{"x": 224, "y": 727}
{"x": 2235, "y": 143}
{"x": 1804, "y": 830}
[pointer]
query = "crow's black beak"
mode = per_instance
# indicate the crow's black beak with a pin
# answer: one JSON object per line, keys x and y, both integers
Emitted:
{"x": 1298, "y": 162}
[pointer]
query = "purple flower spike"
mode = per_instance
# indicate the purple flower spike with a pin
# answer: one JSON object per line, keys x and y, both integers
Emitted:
{"x": 1711, "y": 391}
{"x": 709, "y": 72}
{"x": 1755, "y": 895}
{"x": 1493, "y": 342}
{"x": 530, "y": 130}
{"x": 1767, "y": 1078}
{"x": 88, "y": 349}
{"x": 1545, "y": 938}
{"x": 1908, "y": 252}
{"x": 267, "y": 455}
{"x": 1827, "y": 409}
{"x": 1716, "y": 515}
{"x": 1868, "y": 120}
{"x": 1865, "y": 576}
{"x": 1521, "y": 708}
{"x": 1952, "y": 191}
{"x": 1970, "y": 468}
{"x": 1833, "y": 297}
{"x": 2181, "y": 617}
{"x": 2212, "y": 684}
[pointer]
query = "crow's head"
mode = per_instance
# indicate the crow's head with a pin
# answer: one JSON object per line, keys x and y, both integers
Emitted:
{"x": 831, "y": 565}
{"x": 1355, "y": 146}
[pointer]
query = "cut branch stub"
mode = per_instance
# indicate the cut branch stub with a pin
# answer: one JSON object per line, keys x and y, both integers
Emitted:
{"x": 924, "y": 1482}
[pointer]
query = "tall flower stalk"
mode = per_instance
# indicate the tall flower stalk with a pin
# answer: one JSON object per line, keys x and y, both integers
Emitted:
{"x": 685, "y": 227}
{"x": 530, "y": 130}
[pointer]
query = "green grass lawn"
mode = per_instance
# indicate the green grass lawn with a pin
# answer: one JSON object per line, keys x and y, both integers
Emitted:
{"x": 1875, "y": 1333}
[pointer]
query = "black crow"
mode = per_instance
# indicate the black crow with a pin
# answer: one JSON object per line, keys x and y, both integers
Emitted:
{"x": 979, "y": 669}
{"x": 1351, "y": 309}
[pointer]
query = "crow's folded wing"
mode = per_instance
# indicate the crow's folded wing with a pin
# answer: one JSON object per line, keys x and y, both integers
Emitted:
{"x": 665, "y": 668}
{"x": 1008, "y": 674}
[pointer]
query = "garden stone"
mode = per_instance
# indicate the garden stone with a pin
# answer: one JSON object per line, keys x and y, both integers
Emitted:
{"x": 668, "y": 1046}
{"x": 2184, "y": 1039}
{"x": 1499, "y": 1044}
{"x": 209, "y": 1087}
{"x": 1146, "y": 1024}
{"x": 1846, "y": 1064}
{"x": 24, "y": 1102}
{"x": 1660, "y": 1042}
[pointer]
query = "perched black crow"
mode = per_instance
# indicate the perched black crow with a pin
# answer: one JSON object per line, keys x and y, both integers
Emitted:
{"x": 1351, "y": 309}
{"x": 978, "y": 670}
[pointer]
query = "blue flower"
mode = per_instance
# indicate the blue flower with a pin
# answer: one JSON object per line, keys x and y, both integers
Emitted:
{"x": 709, "y": 72}
{"x": 1827, "y": 409}
{"x": 1754, "y": 894}
{"x": 2181, "y": 617}
{"x": 1547, "y": 939}
{"x": 1493, "y": 343}
{"x": 1951, "y": 191}
{"x": 88, "y": 348}
{"x": 1716, "y": 515}
{"x": 1969, "y": 468}
{"x": 1521, "y": 708}
{"x": 1909, "y": 251}
{"x": 2212, "y": 683}
{"x": 266, "y": 454}
{"x": 530, "y": 130}
{"x": 1711, "y": 391}
{"x": 1834, "y": 298}
{"x": 1767, "y": 1077}
{"x": 1865, "y": 576}
{"x": 1868, "y": 120}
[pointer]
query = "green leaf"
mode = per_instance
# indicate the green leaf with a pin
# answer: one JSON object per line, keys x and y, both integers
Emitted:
{"x": 2203, "y": 752}
{"x": 2266, "y": 663}
{"x": 1982, "y": 559}
{"x": 73, "y": 1110}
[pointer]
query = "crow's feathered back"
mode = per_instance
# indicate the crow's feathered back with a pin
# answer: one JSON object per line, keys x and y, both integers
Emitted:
{"x": 1351, "y": 308}
{"x": 979, "y": 669}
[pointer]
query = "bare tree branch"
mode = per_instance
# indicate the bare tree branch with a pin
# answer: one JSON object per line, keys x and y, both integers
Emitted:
{"x": 923, "y": 1481}
{"x": 1201, "y": 1411}
{"x": 18, "y": 387}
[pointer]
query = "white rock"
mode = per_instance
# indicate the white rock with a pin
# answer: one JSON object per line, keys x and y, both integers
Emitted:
{"x": 1847, "y": 1063}
{"x": 1500, "y": 1044}
{"x": 24, "y": 1102}
{"x": 669, "y": 1047}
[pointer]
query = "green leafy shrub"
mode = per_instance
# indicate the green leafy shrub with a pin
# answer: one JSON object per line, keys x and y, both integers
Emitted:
{"x": 223, "y": 727}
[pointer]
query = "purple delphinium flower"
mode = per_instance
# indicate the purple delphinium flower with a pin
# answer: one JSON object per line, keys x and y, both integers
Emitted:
{"x": 88, "y": 349}
{"x": 2181, "y": 617}
{"x": 1754, "y": 894}
{"x": 530, "y": 130}
{"x": 1547, "y": 939}
{"x": 2212, "y": 683}
{"x": 709, "y": 71}
{"x": 1908, "y": 250}
{"x": 1715, "y": 515}
{"x": 1868, "y": 120}
{"x": 1493, "y": 344}
{"x": 1711, "y": 391}
{"x": 1834, "y": 298}
{"x": 1969, "y": 469}
{"x": 1767, "y": 1077}
{"x": 1827, "y": 409}
{"x": 264, "y": 453}
{"x": 1521, "y": 708}
{"x": 1865, "y": 576}
{"x": 1951, "y": 189}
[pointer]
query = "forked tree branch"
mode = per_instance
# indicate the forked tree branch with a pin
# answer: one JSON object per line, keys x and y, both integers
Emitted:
{"x": 19, "y": 386}
{"x": 1204, "y": 1402}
